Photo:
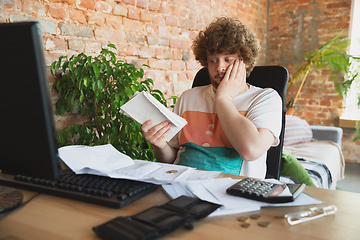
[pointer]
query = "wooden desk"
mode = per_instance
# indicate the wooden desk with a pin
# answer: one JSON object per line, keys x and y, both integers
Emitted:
{"x": 49, "y": 217}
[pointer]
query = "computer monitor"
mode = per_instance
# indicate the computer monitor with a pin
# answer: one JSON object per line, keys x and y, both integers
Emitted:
{"x": 28, "y": 143}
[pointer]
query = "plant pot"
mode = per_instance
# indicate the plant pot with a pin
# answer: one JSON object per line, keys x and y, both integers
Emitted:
{"x": 290, "y": 111}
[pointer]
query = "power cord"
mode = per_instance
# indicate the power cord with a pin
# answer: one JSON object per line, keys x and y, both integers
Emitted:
{"x": 18, "y": 207}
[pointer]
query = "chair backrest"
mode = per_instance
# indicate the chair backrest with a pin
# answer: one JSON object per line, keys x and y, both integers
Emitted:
{"x": 275, "y": 77}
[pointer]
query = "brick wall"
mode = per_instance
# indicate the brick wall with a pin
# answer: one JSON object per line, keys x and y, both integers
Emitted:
{"x": 299, "y": 26}
{"x": 154, "y": 32}
{"x": 302, "y": 26}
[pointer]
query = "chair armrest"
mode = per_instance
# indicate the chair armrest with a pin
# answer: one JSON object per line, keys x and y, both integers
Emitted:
{"x": 327, "y": 133}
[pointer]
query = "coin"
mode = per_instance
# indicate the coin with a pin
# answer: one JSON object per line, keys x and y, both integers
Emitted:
{"x": 264, "y": 224}
{"x": 245, "y": 225}
{"x": 172, "y": 171}
{"x": 255, "y": 216}
{"x": 243, "y": 219}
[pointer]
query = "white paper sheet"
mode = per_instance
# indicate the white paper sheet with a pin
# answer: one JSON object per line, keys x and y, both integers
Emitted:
{"x": 143, "y": 106}
{"x": 215, "y": 191}
{"x": 105, "y": 160}
{"x": 81, "y": 157}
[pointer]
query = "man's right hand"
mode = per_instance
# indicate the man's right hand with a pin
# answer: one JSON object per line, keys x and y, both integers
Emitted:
{"x": 157, "y": 134}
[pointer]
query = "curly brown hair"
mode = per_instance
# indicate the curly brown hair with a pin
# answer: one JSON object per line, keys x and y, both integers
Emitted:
{"x": 230, "y": 36}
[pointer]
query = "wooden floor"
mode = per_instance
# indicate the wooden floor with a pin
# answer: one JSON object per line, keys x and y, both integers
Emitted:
{"x": 351, "y": 183}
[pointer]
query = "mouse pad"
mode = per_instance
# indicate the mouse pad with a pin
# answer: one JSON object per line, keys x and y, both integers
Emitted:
{"x": 9, "y": 198}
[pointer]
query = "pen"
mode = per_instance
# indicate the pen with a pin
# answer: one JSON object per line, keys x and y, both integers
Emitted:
{"x": 313, "y": 213}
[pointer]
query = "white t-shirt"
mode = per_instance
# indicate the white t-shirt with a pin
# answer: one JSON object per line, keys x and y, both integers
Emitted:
{"x": 263, "y": 107}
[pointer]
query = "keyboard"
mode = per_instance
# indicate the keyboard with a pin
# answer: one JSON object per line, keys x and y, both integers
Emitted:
{"x": 105, "y": 191}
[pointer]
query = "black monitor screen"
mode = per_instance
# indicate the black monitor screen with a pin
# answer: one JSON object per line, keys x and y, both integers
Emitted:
{"x": 28, "y": 143}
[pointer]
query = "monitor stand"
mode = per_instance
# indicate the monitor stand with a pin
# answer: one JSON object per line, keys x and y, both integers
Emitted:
{"x": 9, "y": 198}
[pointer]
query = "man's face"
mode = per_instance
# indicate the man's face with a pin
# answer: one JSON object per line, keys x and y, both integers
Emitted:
{"x": 217, "y": 66}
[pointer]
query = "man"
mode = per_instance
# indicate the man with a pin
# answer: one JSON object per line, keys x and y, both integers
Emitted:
{"x": 231, "y": 124}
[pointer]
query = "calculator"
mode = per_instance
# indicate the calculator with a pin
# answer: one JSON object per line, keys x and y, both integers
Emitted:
{"x": 265, "y": 191}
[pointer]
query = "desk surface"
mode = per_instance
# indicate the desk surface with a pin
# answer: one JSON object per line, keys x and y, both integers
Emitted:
{"x": 49, "y": 217}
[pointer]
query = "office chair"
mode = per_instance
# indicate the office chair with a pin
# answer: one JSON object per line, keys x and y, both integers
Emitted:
{"x": 275, "y": 77}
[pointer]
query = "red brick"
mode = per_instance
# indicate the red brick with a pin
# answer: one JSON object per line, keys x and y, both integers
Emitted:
{"x": 184, "y": 12}
{"x": 160, "y": 64}
{"x": 191, "y": 75}
{"x": 181, "y": 77}
{"x": 159, "y": 53}
{"x": 51, "y": 57}
{"x": 57, "y": 11}
{"x": 141, "y": 3}
{"x": 134, "y": 13}
{"x": 70, "y": 2}
{"x": 103, "y": 7}
{"x": 309, "y": 114}
{"x": 164, "y": 8}
{"x": 192, "y": 6}
{"x": 175, "y": 10}
{"x": 96, "y": 19}
{"x": 339, "y": 5}
{"x": 343, "y": 25}
{"x": 135, "y": 38}
{"x": 129, "y": 2}
{"x": 171, "y": 21}
{"x": 88, "y": 4}
{"x": 146, "y": 52}
{"x": 168, "y": 54}
{"x": 193, "y": 66}
{"x": 78, "y": 15}
{"x": 113, "y": 22}
{"x": 33, "y": 7}
{"x": 151, "y": 28}
{"x": 130, "y": 25}
{"x": 146, "y": 16}
{"x": 312, "y": 90}
{"x": 178, "y": 43}
{"x": 154, "y": 5}
{"x": 186, "y": 23}
{"x": 52, "y": 43}
{"x": 177, "y": 54}
{"x": 129, "y": 50}
{"x": 193, "y": 35}
{"x": 175, "y": 31}
{"x": 178, "y": 65}
{"x": 120, "y": 10}
{"x": 158, "y": 20}
{"x": 325, "y": 103}
{"x": 313, "y": 102}
{"x": 112, "y": 36}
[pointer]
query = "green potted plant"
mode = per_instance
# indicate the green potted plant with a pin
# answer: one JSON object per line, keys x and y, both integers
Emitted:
{"x": 331, "y": 56}
{"x": 96, "y": 87}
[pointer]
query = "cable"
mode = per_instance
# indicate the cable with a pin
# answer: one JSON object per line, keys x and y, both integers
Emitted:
{"x": 20, "y": 206}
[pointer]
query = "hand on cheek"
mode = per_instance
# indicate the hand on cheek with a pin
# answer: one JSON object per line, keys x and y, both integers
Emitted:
{"x": 234, "y": 81}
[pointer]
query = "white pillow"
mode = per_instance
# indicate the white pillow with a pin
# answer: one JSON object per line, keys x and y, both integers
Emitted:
{"x": 297, "y": 130}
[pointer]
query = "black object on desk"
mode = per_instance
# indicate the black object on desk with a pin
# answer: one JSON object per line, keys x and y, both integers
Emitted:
{"x": 105, "y": 191}
{"x": 157, "y": 221}
{"x": 9, "y": 198}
